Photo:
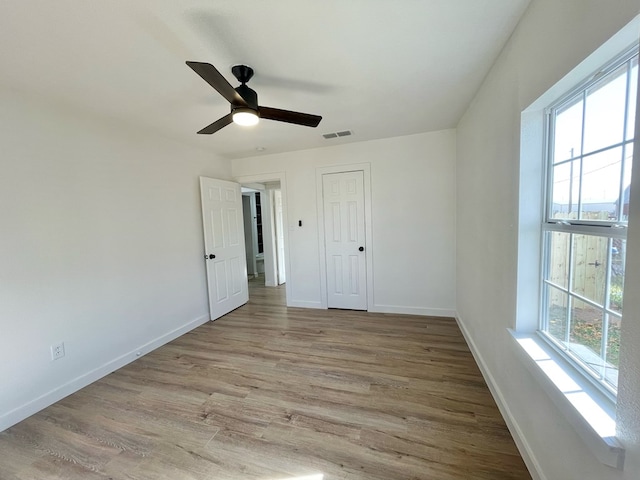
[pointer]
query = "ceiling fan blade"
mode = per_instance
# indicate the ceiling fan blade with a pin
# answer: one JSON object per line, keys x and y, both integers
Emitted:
{"x": 288, "y": 116}
{"x": 214, "y": 78}
{"x": 217, "y": 125}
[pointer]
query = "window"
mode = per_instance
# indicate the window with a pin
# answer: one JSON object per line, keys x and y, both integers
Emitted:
{"x": 590, "y": 136}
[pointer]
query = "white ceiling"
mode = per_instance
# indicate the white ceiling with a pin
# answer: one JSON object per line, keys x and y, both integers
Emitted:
{"x": 381, "y": 68}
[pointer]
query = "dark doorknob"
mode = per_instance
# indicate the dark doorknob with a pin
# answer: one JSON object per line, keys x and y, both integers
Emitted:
{"x": 361, "y": 249}
{"x": 211, "y": 256}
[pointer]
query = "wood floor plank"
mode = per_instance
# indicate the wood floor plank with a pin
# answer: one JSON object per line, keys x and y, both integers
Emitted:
{"x": 273, "y": 393}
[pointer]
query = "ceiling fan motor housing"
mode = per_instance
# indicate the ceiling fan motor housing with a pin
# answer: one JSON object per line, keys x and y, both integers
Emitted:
{"x": 249, "y": 95}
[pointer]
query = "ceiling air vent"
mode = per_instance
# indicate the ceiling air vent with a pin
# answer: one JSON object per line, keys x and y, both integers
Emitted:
{"x": 344, "y": 133}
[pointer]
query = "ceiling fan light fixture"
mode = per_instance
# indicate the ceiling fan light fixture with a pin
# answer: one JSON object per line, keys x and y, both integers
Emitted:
{"x": 245, "y": 116}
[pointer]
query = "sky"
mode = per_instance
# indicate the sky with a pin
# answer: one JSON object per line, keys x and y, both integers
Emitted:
{"x": 604, "y": 125}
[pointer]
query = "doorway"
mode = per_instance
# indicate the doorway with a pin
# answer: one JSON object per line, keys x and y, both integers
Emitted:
{"x": 264, "y": 213}
{"x": 253, "y": 231}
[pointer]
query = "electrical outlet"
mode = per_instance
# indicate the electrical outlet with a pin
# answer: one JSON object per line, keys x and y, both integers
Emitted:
{"x": 57, "y": 351}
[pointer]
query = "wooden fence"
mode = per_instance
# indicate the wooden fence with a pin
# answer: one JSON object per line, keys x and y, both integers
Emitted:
{"x": 589, "y": 263}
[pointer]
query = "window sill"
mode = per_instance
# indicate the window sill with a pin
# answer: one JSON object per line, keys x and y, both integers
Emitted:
{"x": 588, "y": 410}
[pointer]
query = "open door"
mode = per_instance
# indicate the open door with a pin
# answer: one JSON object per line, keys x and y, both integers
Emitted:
{"x": 224, "y": 245}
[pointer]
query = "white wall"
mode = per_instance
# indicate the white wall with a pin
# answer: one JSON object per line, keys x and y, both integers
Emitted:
{"x": 413, "y": 208}
{"x": 551, "y": 39}
{"x": 101, "y": 247}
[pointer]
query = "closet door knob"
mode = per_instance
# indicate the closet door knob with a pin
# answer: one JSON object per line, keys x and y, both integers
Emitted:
{"x": 361, "y": 249}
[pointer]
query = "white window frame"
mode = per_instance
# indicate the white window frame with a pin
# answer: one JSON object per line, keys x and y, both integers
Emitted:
{"x": 610, "y": 228}
{"x": 592, "y": 414}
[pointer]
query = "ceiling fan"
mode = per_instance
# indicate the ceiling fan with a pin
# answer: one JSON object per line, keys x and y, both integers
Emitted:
{"x": 244, "y": 100}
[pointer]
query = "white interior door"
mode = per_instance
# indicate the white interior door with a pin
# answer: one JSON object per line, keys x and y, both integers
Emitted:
{"x": 343, "y": 196}
{"x": 279, "y": 227}
{"x": 224, "y": 245}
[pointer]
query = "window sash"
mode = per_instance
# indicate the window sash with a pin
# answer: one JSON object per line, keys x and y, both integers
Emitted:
{"x": 580, "y": 92}
{"x": 600, "y": 371}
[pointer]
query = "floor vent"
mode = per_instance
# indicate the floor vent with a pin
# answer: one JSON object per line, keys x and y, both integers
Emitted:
{"x": 344, "y": 133}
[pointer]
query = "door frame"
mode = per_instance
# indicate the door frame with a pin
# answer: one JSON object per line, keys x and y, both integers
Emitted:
{"x": 365, "y": 168}
{"x": 279, "y": 244}
{"x": 262, "y": 178}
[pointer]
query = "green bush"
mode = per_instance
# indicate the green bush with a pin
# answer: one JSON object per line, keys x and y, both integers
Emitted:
{"x": 615, "y": 296}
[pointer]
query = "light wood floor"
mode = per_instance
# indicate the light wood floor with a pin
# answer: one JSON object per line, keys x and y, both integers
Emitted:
{"x": 274, "y": 393}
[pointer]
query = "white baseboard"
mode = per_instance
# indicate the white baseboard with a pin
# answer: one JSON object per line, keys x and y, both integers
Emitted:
{"x": 303, "y": 304}
{"x": 20, "y": 413}
{"x": 429, "y": 312}
{"x": 526, "y": 452}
